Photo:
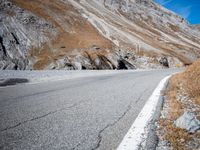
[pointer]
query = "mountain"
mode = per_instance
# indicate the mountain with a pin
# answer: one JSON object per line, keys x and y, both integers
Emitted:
{"x": 94, "y": 34}
{"x": 197, "y": 27}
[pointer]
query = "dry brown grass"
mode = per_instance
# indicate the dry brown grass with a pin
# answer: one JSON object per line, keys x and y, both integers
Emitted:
{"x": 188, "y": 82}
{"x": 177, "y": 137}
{"x": 170, "y": 49}
{"x": 192, "y": 81}
{"x": 82, "y": 36}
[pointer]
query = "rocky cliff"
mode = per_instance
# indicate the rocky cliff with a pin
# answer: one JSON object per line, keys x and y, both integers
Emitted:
{"x": 94, "y": 34}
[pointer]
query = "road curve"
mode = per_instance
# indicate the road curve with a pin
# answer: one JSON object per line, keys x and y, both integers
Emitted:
{"x": 78, "y": 114}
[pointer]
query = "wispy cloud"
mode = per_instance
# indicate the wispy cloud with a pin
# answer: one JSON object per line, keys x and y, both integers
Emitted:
{"x": 180, "y": 9}
{"x": 164, "y": 2}
{"x": 184, "y": 11}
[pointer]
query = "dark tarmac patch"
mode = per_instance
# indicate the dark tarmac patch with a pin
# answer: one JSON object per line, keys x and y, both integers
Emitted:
{"x": 12, "y": 81}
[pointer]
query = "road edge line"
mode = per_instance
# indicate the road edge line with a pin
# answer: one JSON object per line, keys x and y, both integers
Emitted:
{"x": 137, "y": 134}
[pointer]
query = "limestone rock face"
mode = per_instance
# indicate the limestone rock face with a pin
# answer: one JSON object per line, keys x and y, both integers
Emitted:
{"x": 20, "y": 30}
{"x": 94, "y": 34}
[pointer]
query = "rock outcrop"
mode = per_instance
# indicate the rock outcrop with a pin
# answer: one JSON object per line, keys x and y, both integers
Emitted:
{"x": 94, "y": 34}
{"x": 20, "y": 30}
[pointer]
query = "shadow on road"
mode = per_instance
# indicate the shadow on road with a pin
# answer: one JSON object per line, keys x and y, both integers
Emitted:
{"x": 12, "y": 81}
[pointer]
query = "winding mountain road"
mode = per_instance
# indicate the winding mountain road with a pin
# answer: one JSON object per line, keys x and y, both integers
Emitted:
{"x": 78, "y": 114}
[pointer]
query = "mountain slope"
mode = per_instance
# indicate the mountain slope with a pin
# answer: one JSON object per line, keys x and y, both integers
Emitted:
{"x": 94, "y": 34}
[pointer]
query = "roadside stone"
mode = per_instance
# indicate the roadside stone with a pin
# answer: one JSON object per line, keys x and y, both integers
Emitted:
{"x": 164, "y": 62}
{"x": 78, "y": 65}
{"x": 188, "y": 121}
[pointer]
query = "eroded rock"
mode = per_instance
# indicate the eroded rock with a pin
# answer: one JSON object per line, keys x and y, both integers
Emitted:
{"x": 164, "y": 61}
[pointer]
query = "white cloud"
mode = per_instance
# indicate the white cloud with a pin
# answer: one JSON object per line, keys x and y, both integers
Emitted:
{"x": 179, "y": 9}
{"x": 164, "y": 2}
{"x": 184, "y": 11}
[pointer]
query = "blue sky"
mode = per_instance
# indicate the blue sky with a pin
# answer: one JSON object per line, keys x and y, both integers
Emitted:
{"x": 188, "y": 9}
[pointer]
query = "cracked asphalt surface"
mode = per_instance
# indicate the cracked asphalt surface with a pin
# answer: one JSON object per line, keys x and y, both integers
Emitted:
{"x": 79, "y": 114}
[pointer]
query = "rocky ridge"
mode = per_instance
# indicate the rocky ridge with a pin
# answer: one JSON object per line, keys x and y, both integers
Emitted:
{"x": 94, "y": 34}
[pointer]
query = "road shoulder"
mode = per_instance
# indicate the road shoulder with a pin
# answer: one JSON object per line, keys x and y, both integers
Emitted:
{"x": 142, "y": 130}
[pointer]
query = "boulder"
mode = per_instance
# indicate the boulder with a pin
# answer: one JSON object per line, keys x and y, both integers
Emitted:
{"x": 188, "y": 121}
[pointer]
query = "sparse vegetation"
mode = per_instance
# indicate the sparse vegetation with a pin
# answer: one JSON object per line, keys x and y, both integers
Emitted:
{"x": 191, "y": 82}
{"x": 186, "y": 84}
{"x": 61, "y": 30}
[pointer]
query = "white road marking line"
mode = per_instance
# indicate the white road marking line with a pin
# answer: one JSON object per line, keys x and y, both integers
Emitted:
{"x": 137, "y": 133}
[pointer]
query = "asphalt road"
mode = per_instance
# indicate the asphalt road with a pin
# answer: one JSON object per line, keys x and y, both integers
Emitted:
{"x": 85, "y": 114}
